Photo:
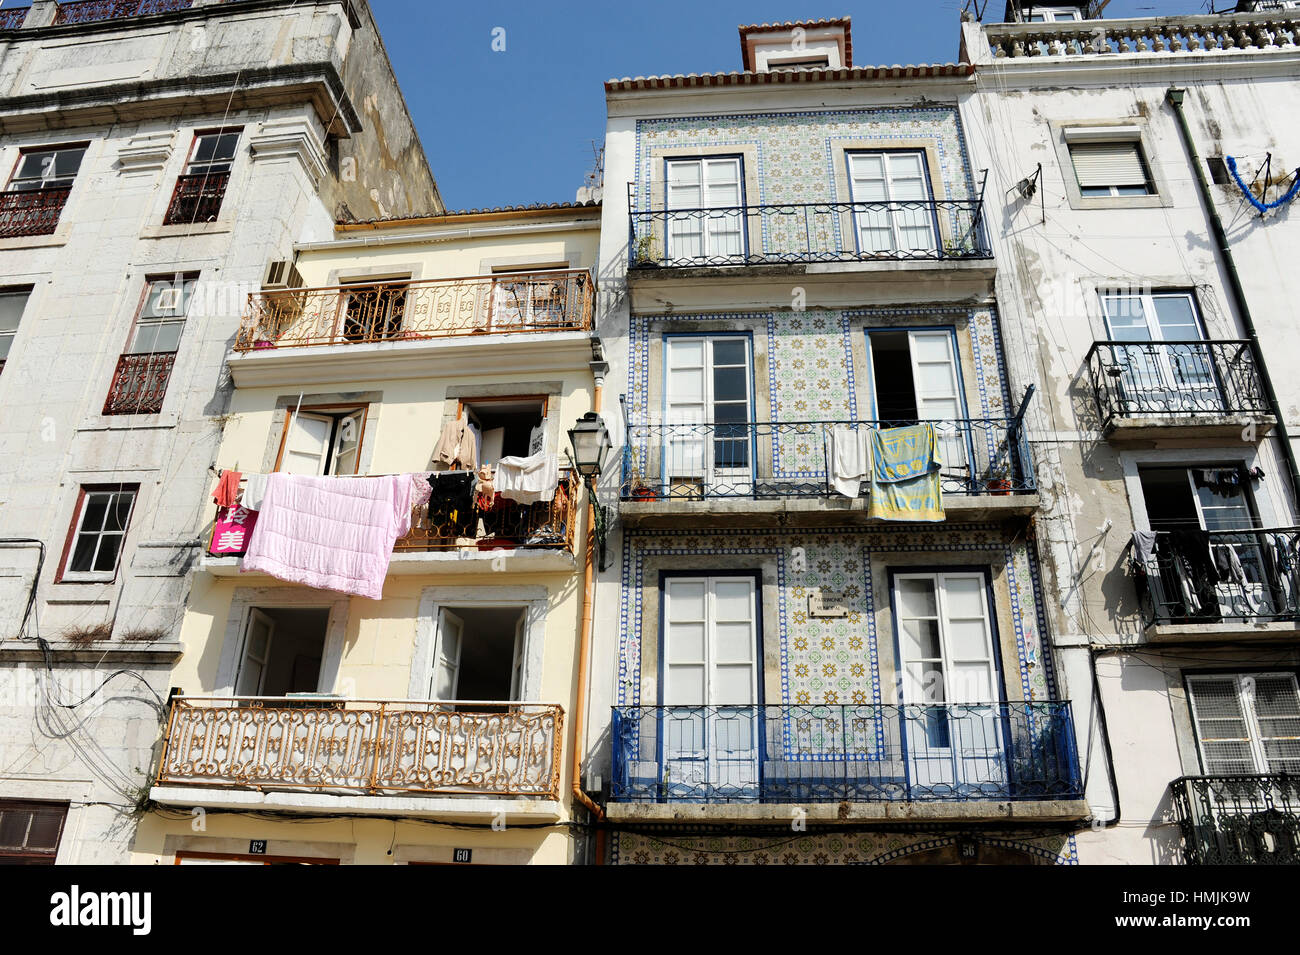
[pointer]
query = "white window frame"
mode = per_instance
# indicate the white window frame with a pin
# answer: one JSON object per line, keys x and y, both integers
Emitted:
{"x": 1192, "y": 359}
{"x": 78, "y": 529}
{"x": 331, "y": 452}
{"x": 1244, "y": 684}
{"x": 895, "y": 215}
{"x": 688, "y": 455}
{"x": 1113, "y": 191}
{"x": 180, "y": 291}
{"x": 710, "y": 226}
{"x": 1063, "y": 14}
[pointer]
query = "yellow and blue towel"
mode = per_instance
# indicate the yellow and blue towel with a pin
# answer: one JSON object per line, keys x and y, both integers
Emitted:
{"x": 905, "y": 475}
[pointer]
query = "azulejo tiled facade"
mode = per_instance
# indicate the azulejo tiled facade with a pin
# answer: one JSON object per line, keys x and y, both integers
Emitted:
{"x": 861, "y": 848}
{"x": 797, "y": 150}
{"x": 835, "y": 660}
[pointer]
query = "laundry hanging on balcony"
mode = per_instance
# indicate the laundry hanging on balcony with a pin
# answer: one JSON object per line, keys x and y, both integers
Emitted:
{"x": 333, "y": 533}
{"x": 905, "y": 483}
{"x": 458, "y": 446}
{"x": 1255, "y": 201}
{"x": 850, "y": 457}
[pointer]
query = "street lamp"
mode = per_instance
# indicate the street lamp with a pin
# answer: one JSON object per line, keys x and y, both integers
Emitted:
{"x": 591, "y": 446}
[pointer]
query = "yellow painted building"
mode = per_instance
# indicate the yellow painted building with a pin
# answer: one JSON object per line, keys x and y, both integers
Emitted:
{"x": 314, "y": 725}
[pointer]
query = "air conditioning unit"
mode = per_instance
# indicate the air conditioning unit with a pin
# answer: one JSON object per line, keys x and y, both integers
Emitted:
{"x": 281, "y": 275}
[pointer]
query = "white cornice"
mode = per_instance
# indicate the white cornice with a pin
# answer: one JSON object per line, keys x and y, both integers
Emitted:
{"x": 293, "y": 139}
{"x": 393, "y": 361}
{"x": 145, "y": 152}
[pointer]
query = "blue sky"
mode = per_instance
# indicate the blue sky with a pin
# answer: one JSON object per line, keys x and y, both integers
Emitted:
{"x": 517, "y": 126}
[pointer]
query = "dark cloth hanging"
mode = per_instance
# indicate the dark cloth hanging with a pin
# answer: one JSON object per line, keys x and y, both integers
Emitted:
{"x": 1225, "y": 482}
{"x": 1192, "y": 549}
{"x": 451, "y": 503}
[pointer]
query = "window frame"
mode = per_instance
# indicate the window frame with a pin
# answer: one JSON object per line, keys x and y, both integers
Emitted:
{"x": 740, "y": 209}
{"x": 336, "y": 410}
{"x": 896, "y": 248}
{"x": 65, "y": 575}
{"x": 1052, "y": 14}
{"x": 1114, "y": 190}
{"x": 136, "y": 321}
{"x": 25, "y": 151}
{"x": 8, "y": 337}
{"x": 25, "y": 853}
{"x": 1255, "y": 739}
{"x": 237, "y": 131}
{"x": 1081, "y": 132}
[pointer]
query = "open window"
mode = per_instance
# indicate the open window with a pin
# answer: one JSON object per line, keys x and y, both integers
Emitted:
{"x": 479, "y": 655}
{"x": 525, "y": 297}
{"x": 320, "y": 441}
{"x": 915, "y": 377}
{"x": 374, "y": 311}
{"x": 508, "y": 426}
{"x": 282, "y": 651}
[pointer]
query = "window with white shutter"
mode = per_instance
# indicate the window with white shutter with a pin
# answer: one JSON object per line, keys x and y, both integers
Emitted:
{"x": 1246, "y": 722}
{"x": 1111, "y": 169}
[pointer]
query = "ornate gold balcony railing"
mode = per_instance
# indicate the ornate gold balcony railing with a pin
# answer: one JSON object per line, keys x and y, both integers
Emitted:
{"x": 365, "y": 746}
{"x": 552, "y": 301}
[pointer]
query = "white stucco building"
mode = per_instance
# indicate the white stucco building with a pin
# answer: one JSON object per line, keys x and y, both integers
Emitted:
{"x": 157, "y": 158}
{"x": 1165, "y": 370}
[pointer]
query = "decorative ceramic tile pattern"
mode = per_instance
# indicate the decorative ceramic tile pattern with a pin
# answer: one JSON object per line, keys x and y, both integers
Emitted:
{"x": 828, "y": 660}
{"x": 811, "y": 374}
{"x": 796, "y": 153}
{"x": 833, "y": 848}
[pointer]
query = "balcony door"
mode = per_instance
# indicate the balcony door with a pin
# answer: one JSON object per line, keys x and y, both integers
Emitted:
{"x": 915, "y": 377}
{"x": 479, "y": 655}
{"x": 1246, "y": 723}
{"x": 282, "y": 651}
{"x": 708, "y": 408}
{"x": 1164, "y": 364}
{"x": 706, "y": 218}
{"x": 711, "y": 723}
{"x": 952, "y": 725}
{"x": 893, "y": 211}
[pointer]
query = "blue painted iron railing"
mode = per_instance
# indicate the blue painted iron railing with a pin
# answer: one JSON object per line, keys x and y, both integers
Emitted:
{"x": 790, "y": 459}
{"x": 1238, "y": 820}
{"x": 794, "y": 232}
{"x": 851, "y": 752}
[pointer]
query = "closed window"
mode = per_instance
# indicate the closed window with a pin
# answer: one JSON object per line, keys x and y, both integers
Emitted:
{"x": 892, "y": 208}
{"x": 1053, "y": 14}
{"x": 704, "y": 198}
{"x": 30, "y": 832}
{"x": 201, "y": 188}
{"x": 945, "y": 637}
{"x": 707, "y": 409}
{"x": 12, "y": 304}
{"x": 323, "y": 441}
{"x": 162, "y": 315}
{"x": 1109, "y": 169}
{"x": 1246, "y": 722}
{"x": 99, "y": 531}
{"x": 51, "y": 168}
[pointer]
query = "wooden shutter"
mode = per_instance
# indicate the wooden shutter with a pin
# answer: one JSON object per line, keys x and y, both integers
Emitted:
{"x": 1099, "y": 165}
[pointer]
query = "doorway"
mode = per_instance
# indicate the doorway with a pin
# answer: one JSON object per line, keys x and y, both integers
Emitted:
{"x": 479, "y": 655}
{"x": 282, "y": 651}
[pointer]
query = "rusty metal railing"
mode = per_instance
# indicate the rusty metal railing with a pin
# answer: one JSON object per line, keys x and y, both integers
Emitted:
{"x": 139, "y": 383}
{"x": 87, "y": 11}
{"x": 32, "y": 211}
{"x": 550, "y": 301}
{"x": 197, "y": 198}
{"x": 365, "y": 746}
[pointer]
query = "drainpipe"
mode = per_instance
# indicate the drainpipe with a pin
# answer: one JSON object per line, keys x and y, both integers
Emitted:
{"x": 1174, "y": 97}
{"x": 599, "y": 370}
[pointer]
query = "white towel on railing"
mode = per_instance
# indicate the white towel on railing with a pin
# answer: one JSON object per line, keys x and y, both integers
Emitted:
{"x": 850, "y": 458}
{"x": 527, "y": 480}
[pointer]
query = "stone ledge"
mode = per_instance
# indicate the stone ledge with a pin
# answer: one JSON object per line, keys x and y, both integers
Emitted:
{"x": 1052, "y": 810}
{"x": 451, "y": 808}
{"x": 1238, "y": 629}
{"x": 724, "y": 512}
{"x": 108, "y": 651}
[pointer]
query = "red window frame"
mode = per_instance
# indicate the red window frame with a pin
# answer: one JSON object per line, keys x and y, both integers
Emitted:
{"x": 75, "y": 524}
{"x": 25, "y": 855}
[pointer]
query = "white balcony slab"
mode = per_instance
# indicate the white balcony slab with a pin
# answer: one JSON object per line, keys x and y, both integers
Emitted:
{"x": 449, "y": 808}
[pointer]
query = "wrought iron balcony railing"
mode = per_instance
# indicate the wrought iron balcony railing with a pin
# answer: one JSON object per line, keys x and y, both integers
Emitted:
{"x": 139, "y": 383}
{"x": 787, "y": 233}
{"x": 552, "y": 301}
{"x": 31, "y": 211}
{"x": 1239, "y": 820}
{"x": 197, "y": 198}
{"x": 439, "y": 526}
{"x": 981, "y": 456}
{"x": 11, "y": 18}
{"x": 364, "y": 746}
{"x": 87, "y": 11}
{"x": 1195, "y": 576}
{"x": 845, "y": 753}
{"x": 1172, "y": 380}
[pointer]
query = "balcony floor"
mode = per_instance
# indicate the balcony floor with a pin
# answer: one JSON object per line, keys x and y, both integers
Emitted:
{"x": 990, "y": 810}
{"x": 1186, "y": 427}
{"x": 811, "y": 512}
{"x": 1232, "y": 629}
{"x": 467, "y": 808}
{"x": 556, "y": 560}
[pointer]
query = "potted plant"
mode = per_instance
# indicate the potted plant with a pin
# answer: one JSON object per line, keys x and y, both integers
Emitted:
{"x": 646, "y": 250}
{"x": 998, "y": 478}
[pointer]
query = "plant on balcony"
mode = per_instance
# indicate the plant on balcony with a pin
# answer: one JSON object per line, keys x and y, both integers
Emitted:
{"x": 998, "y": 477}
{"x": 646, "y": 250}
